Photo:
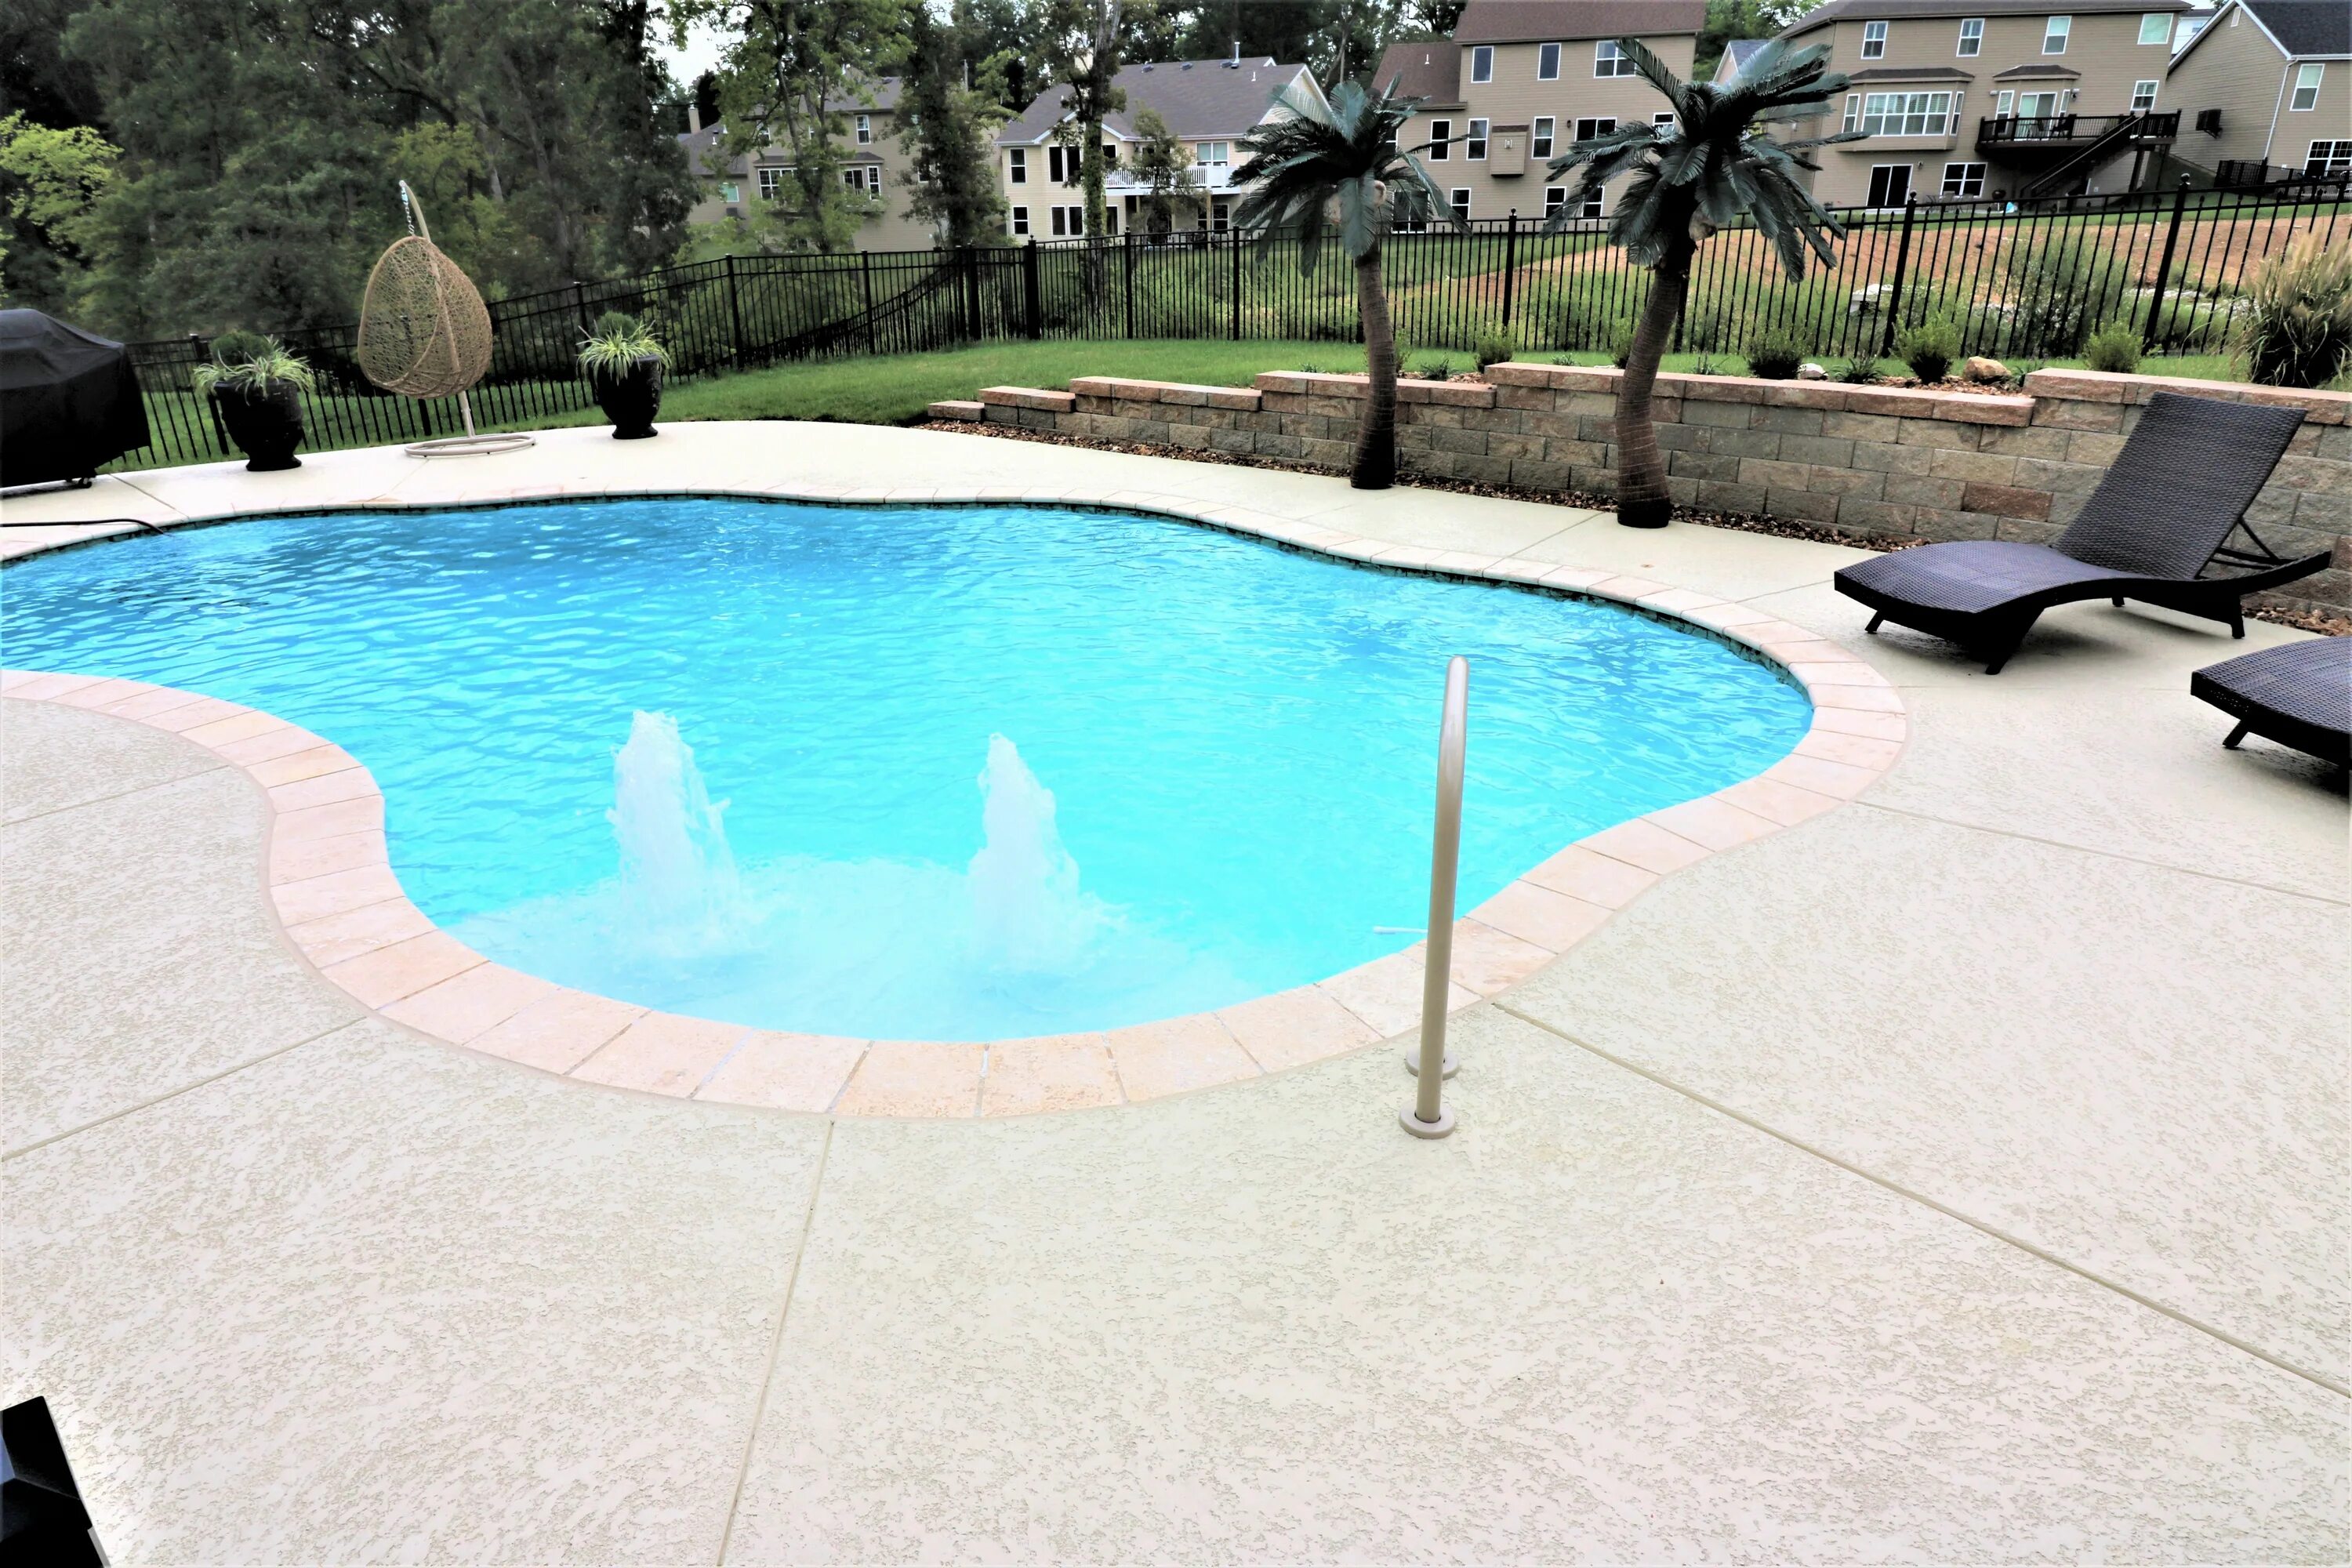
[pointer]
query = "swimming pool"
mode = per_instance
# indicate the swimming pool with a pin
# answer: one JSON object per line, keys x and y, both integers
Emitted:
{"x": 952, "y": 772}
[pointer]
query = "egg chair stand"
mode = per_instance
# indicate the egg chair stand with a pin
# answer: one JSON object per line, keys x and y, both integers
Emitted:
{"x": 425, "y": 332}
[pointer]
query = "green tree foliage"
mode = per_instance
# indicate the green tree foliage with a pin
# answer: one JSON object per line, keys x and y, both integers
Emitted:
{"x": 261, "y": 140}
{"x": 1085, "y": 48}
{"x": 50, "y": 182}
{"x": 791, "y": 70}
{"x": 1714, "y": 163}
{"x": 1163, "y": 161}
{"x": 1312, "y": 165}
{"x": 946, "y": 126}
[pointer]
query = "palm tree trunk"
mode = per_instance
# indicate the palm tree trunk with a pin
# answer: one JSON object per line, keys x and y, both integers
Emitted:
{"x": 1641, "y": 498}
{"x": 1376, "y": 459}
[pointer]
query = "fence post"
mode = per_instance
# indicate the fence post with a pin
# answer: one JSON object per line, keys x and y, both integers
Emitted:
{"x": 2164, "y": 266}
{"x": 734, "y": 316}
{"x": 972, "y": 294}
{"x": 1510, "y": 261}
{"x": 1127, "y": 260}
{"x": 1033, "y": 292}
{"x": 1902, "y": 262}
{"x": 1234, "y": 236}
{"x": 866, "y": 293}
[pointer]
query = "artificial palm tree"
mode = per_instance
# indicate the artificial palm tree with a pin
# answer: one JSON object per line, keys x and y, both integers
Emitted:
{"x": 1715, "y": 161}
{"x": 1318, "y": 165}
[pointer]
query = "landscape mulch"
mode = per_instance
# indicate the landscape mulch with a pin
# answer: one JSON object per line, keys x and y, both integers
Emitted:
{"x": 2310, "y": 618}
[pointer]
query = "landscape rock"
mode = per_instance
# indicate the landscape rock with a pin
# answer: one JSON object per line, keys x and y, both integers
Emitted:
{"x": 1809, "y": 370}
{"x": 1981, "y": 369}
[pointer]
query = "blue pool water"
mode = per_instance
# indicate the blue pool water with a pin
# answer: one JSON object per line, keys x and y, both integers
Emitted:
{"x": 946, "y": 773}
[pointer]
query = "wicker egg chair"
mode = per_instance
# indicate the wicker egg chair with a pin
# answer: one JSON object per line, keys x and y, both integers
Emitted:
{"x": 425, "y": 332}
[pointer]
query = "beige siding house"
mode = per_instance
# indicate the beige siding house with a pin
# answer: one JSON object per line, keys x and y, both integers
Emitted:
{"x": 1210, "y": 105}
{"x": 875, "y": 161}
{"x": 1520, "y": 81}
{"x": 1974, "y": 100}
{"x": 2266, "y": 90}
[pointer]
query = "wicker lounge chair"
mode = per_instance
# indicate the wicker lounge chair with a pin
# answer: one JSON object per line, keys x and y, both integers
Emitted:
{"x": 2158, "y": 518}
{"x": 2298, "y": 694}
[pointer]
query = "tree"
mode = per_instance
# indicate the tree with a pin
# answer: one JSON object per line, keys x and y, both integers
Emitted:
{"x": 945, "y": 124}
{"x": 1085, "y": 53}
{"x": 1163, "y": 161}
{"x": 1312, "y": 163}
{"x": 50, "y": 181}
{"x": 789, "y": 67}
{"x": 1715, "y": 163}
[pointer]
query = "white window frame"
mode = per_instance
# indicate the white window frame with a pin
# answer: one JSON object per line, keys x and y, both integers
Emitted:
{"x": 1016, "y": 166}
{"x": 1458, "y": 198}
{"x": 1221, "y": 213}
{"x": 1555, "y": 200}
{"x": 1971, "y": 42}
{"x": 2157, "y": 22}
{"x": 731, "y": 193}
{"x": 1441, "y": 136}
{"x": 772, "y": 182}
{"x": 2143, "y": 98}
{"x": 1608, "y": 61}
{"x": 865, "y": 130}
{"x": 2335, "y": 162}
{"x": 1021, "y": 220}
{"x": 1473, "y": 147}
{"x": 1602, "y": 125}
{"x": 1964, "y": 181}
{"x": 2057, "y": 29}
{"x": 1540, "y": 132}
{"x": 1547, "y": 56}
{"x": 1909, "y": 171}
{"x": 2002, "y": 102}
{"x": 1212, "y": 155}
{"x": 1912, "y": 113}
{"x": 2307, "y": 78}
{"x": 1874, "y": 40}
{"x": 1482, "y": 62}
{"x": 1663, "y": 121}
{"x": 1596, "y": 203}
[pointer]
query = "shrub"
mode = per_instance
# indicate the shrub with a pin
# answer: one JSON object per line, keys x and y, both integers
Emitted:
{"x": 1930, "y": 348}
{"x": 1705, "y": 365}
{"x": 1493, "y": 348}
{"x": 2296, "y": 329}
{"x": 1437, "y": 370}
{"x": 2060, "y": 284}
{"x": 247, "y": 361}
{"x": 1861, "y": 369}
{"x": 1775, "y": 356}
{"x": 2114, "y": 347}
{"x": 1620, "y": 345}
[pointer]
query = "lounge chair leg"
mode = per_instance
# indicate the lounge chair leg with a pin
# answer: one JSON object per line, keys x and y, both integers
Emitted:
{"x": 2118, "y": 604}
{"x": 1871, "y": 629}
{"x": 2235, "y": 736}
{"x": 2236, "y": 620}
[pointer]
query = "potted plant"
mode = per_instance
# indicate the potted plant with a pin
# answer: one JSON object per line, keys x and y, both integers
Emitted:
{"x": 256, "y": 385}
{"x": 624, "y": 360}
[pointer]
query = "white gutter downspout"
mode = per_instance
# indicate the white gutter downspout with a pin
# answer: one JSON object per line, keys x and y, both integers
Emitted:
{"x": 2271, "y": 136}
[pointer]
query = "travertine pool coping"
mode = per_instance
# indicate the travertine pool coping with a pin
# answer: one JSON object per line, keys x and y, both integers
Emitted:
{"x": 332, "y": 888}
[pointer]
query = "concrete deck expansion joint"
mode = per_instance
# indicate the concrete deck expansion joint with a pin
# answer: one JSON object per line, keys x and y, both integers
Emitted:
{"x": 1935, "y": 1148}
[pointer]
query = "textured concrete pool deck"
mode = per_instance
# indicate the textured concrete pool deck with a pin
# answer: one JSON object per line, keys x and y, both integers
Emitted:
{"x": 1960, "y": 1173}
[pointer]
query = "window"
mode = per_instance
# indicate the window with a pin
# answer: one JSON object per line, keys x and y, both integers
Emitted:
{"x": 1964, "y": 180}
{"x": 1222, "y": 214}
{"x": 1054, "y": 164}
{"x": 865, "y": 179}
{"x": 1591, "y": 207}
{"x": 1586, "y": 130}
{"x": 772, "y": 184}
{"x": 1663, "y": 121}
{"x": 1070, "y": 221}
{"x": 2054, "y": 35}
{"x": 1900, "y": 113}
{"x": 730, "y": 192}
{"x": 1890, "y": 184}
{"x": 1021, "y": 220}
{"x": 1213, "y": 155}
{"x": 1440, "y": 132}
{"x": 864, "y": 128}
{"x": 1547, "y": 62}
{"x": 1110, "y": 221}
{"x": 1017, "y": 162}
{"x": 1482, "y": 63}
{"x": 1874, "y": 40}
{"x": 1608, "y": 59}
{"x": 2330, "y": 158}
{"x": 2306, "y": 86}
{"x": 1459, "y": 200}
{"x": 2143, "y": 97}
{"x": 2156, "y": 27}
{"x": 1971, "y": 36}
{"x": 2002, "y": 104}
{"x": 1475, "y": 147}
{"x": 1539, "y": 137}
{"x": 1555, "y": 198}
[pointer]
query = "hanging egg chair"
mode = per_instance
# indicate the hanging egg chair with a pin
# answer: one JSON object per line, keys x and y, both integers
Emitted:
{"x": 425, "y": 332}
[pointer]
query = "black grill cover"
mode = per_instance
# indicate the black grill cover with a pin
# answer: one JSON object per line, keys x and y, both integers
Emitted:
{"x": 68, "y": 401}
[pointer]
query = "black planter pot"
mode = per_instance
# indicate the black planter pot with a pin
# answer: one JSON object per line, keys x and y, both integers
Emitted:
{"x": 266, "y": 423}
{"x": 631, "y": 399}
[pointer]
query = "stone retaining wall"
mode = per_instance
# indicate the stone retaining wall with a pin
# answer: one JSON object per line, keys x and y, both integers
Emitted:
{"x": 1863, "y": 461}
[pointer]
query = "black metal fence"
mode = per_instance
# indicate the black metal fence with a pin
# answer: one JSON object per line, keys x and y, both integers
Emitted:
{"x": 2019, "y": 279}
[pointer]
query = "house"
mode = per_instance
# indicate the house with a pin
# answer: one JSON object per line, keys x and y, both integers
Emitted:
{"x": 1969, "y": 100}
{"x": 2266, "y": 89}
{"x": 1735, "y": 55}
{"x": 1520, "y": 81}
{"x": 1210, "y": 105}
{"x": 873, "y": 165}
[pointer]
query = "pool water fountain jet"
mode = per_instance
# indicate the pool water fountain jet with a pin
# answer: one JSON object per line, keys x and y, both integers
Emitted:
{"x": 1027, "y": 913}
{"x": 677, "y": 872}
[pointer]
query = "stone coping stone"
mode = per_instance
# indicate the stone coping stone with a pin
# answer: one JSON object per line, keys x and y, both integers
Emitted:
{"x": 1029, "y": 398}
{"x": 958, "y": 408}
{"x": 2108, "y": 386}
{"x": 1410, "y": 389}
{"x": 1187, "y": 395}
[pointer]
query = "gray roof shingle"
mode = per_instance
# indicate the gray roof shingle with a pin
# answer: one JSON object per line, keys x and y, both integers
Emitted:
{"x": 1544, "y": 21}
{"x": 1430, "y": 69}
{"x": 2307, "y": 27}
{"x": 1197, "y": 98}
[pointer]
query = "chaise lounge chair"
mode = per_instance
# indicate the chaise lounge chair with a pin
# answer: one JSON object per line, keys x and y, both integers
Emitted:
{"x": 2157, "y": 521}
{"x": 2298, "y": 694}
